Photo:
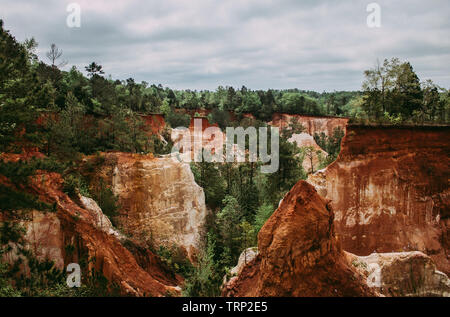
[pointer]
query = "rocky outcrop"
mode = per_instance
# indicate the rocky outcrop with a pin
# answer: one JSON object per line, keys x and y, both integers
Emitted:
{"x": 154, "y": 123}
{"x": 312, "y": 124}
{"x": 247, "y": 256}
{"x": 390, "y": 192}
{"x": 101, "y": 221}
{"x": 402, "y": 274}
{"x": 299, "y": 254}
{"x": 43, "y": 235}
{"x": 160, "y": 203}
{"x": 79, "y": 233}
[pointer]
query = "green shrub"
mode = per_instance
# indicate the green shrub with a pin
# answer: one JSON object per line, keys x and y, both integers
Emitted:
{"x": 206, "y": 277}
{"x": 178, "y": 119}
{"x": 264, "y": 212}
{"x": 13, "y": 200}
{"x": 175, "y": 259}
{"x": 74, "y": 184}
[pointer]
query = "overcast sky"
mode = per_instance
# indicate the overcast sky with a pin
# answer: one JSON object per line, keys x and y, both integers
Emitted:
{"x": 309, "y": 44}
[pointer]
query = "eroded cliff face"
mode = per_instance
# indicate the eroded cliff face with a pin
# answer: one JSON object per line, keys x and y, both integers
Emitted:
{"x": 402, "y": 274}
{"x": 155, "y": 123}
{"x": 78, "y": 232}
{"x": 311, "y": 124}
{"x": 299, "y": 254}
{"x": 160, "y": 203}
{"x": 389, "y": 189}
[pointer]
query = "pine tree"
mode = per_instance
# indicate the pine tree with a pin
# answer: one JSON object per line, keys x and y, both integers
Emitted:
{"x": 228, "y": 220}
{"x": 19, "y": 108}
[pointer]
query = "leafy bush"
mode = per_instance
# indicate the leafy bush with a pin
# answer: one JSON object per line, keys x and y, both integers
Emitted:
{"x": 175, "y": 259}
{"x": 17, "y": 172}
{"x": 178, "y": 119}
{"x": 74, "y": 184}
{"x": 330, "y": 144}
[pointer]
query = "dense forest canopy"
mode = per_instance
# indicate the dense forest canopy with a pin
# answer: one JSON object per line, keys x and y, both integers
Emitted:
{"x": 391, "y": 93}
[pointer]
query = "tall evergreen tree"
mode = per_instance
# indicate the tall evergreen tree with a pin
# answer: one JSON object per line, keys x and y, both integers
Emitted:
{"x": 22, "y": 95}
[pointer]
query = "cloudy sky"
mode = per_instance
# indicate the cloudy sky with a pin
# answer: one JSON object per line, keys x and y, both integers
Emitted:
{"x": 309, "y": 44}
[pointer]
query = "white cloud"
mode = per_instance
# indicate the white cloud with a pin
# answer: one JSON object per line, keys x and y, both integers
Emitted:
{"x": 319, "y": 45}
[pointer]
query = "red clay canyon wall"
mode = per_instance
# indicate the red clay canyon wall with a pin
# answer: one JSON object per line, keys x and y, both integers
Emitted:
{"x": 299, "y": 254}
{"x": 312, "y": 124}
{"x": 154, "y": 122}
{"x": 389, "y": 189}
{"x": 82, "y": 228}
{"x": 160, "y": 203}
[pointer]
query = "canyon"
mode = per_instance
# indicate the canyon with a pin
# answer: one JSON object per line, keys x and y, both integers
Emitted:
{"x": 373, "y": 223}
{"x": 389, "y": 189}
{"x": 299, "y": 254}
{"x": 389, "y": 192}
